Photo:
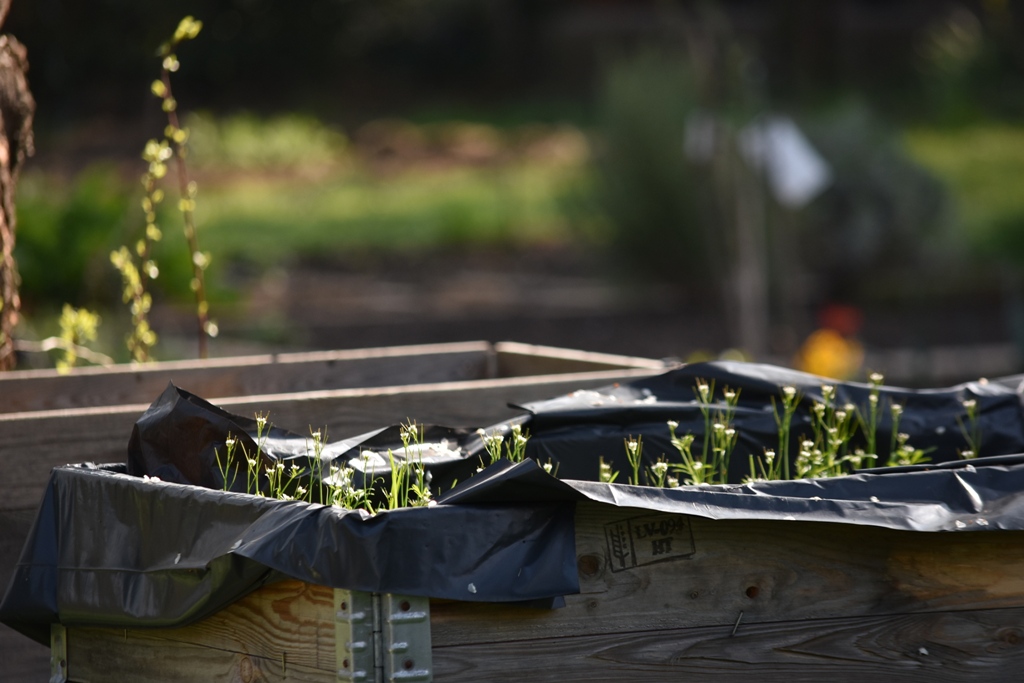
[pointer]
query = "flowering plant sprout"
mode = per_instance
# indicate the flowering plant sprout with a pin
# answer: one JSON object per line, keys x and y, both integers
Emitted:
{"x": 971, "y": 431}
{"x": 657, "y": 475}
{"x": 635, "y": 454}
{"x": 495, "y": 443}
{"x": 605, "y": 474}
{"x": 779, "y": 468}
{"x": 869, "y": 421}
{"x": 719, "y": 435}
{"x": 416, "y": 479}
{"x": 691, "y": 468}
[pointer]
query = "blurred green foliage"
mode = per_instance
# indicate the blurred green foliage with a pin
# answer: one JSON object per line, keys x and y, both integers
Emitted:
{"x": 66, "y": 229}
{"x": 275, "y": 191}
{"x": 645, "y": 185}
{"x": 982, "y": 165}
{"x": 247, "y": 142}
{"x": 267, "y": 221}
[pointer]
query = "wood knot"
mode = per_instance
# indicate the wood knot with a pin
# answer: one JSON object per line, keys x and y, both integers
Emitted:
{"x": 588, "y": 565}
{"x": 245, "y": 670}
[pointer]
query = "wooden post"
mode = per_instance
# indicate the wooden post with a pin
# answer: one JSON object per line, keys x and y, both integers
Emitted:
{"x": 16, "y": 110}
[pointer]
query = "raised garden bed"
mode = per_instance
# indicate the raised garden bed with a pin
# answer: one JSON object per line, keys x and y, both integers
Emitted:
{"x": 348, "y": 392}
{"x": 845, "y": 578}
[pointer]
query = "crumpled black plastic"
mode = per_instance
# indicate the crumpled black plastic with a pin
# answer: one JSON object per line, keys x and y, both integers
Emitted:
{"x": 110, "y": 549}
{"x": 572, "y": 431}
{"x": 182, "y": 438}
{"x": 981, "y": 495}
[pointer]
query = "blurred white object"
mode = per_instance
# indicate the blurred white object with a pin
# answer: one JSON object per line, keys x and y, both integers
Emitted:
{"x": 796, "y": 172}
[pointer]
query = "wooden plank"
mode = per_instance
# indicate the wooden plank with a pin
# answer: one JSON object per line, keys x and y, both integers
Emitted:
{"x": 986, "y": 646}
{"x": 31, "y": 444}
{"x": 845, "y": 603}
{"x": 99, "y": 656}
{"x": 523, "y": 360}
{"x": 769, "y": 571}
{"x": 284, "y": 631}
{"x": 959, "y": 646}
{"x": 31, "y": 390}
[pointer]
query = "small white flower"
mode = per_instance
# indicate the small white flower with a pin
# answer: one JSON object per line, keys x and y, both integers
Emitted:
{"x": 673, "y": 425}
{"x": 229, "y": 442}
{"x": 660, "y": 468}
{"x": 876, "y": 378}
{"x": 789, "y": 392}
{"x": 632, "y": 446}
{"x": 896, "y": 409}
{"x": 769, "y": 455}
{"x": 969, "y": 404}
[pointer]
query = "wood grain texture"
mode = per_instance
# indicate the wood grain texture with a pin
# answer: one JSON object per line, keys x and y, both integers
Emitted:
{"x": 284, "y": 631}
{"x": 98, "y": 656}
{"x": 31, "y": 444}
{"x": 771, "y": 571}
{"x": 959, "y": 647}
{"x": 779, "y": 601}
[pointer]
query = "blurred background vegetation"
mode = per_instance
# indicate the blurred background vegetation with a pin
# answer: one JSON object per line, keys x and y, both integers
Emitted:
{"x": 338, "y": 136}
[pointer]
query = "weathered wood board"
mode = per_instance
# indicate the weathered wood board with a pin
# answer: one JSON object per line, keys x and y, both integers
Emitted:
{"x": 32, "y": 390}
{"x": 664, "y": 597}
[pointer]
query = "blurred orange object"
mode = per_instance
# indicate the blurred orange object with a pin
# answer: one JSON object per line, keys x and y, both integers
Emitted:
{"x": 828, "y": 353}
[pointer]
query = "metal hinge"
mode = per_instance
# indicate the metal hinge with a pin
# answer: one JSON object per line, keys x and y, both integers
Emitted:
{"x": 382, "y": 638}
{"x": 58, "y": 654}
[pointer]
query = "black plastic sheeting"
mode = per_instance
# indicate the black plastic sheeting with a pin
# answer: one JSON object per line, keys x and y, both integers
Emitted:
{"x": 181, "y": 437}
{"x": 110, "y": 549}
{"x": 573, "y": 430}
{"x": 113, "y": 547}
